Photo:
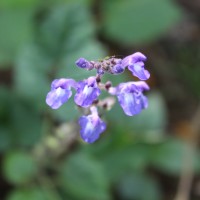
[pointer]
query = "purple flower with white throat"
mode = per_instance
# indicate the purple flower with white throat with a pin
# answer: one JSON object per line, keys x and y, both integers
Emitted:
{"x": 87, "y": 92}
{"x": 60, "y": 92}
{"x": 135, "y": 64}
{"x": 130, "y": 96}
{"x": 91, "y": 126}
{"x": 83, "y": 63}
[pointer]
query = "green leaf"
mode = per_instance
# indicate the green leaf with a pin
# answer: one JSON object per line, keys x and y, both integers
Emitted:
{"x": 19, "y": 167}
{"x": 61, "y": 33}
{"x": 17, "y": 3}
{"x": 30, "y": 193}
{"x": 20, "y": 122}
{"x": 138, "y": 186}
{"x": 31, "y": 81}
{"x": 5, "y": 138}
{"x": 81, "y": 172}
{"x": 169, "y": 156}
{"x": 6, "y": 97}
{"x": 16, "y": 29}
{"x": 25, "y": 123}
{"x": 68, "y": 38}
{"x": 128, "y": 158}
{"x": 139, "y": 21}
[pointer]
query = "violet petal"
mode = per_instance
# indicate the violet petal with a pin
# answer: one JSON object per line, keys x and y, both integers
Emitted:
{"x": 60, "y": 92}
{"x": 87, "y": 92}
{"x": 83, "y": 63}
{"x": 91, "y": 127}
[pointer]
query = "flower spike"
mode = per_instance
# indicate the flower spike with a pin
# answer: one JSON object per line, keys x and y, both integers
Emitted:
{"x": 129, "y": 94}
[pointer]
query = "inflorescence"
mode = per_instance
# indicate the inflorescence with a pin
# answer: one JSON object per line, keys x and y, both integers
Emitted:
{"x": 130, "y": 94}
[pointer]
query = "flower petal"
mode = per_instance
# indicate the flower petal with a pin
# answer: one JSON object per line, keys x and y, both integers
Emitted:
{"x": 91, "y": 127}
{"x": 129, "y": 104}
{"x": 134, "y": 58}
{"x": 64, "y": 83}
{"x": 130, "y": 97}
{"x": 60, "y": 92}
{"x": 55, "y": 98}
{"x": 87, "y": 92}
{"x": 139, "y": 71}
{"x": 135, "y": 64}
{"x": 141, "y": 85}
{"x": 83, "y": 63}
{"x": 117, "y": 69}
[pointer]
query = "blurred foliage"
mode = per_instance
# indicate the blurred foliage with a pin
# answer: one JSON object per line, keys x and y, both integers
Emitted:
{"x": 142, "y": 21}
{"x": 90, "y": 178}
{"x": 32, "y": 193}
{"x": 40, "y": 41}
{"x": 17, "y": 28}
{"x": 189, "y": 67}
{"x": 19, "y": 167}
{"x": 132, "y": 186}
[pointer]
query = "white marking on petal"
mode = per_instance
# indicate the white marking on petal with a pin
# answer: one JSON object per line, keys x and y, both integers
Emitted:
{"x": 129, "y": 98}
{"x": 59, "y": 91}
{"x": 87, "y": 90}
{"x": 89, "y": 127}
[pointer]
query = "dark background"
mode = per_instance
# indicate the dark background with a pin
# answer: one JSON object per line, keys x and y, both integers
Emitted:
{"x": 152, "y": 156}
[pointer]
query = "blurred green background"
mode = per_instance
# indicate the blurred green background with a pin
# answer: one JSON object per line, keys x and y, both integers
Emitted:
{"x": 152, "y": 156}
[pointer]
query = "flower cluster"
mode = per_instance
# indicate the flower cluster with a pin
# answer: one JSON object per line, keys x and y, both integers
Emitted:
{"x": 130, "y": 94}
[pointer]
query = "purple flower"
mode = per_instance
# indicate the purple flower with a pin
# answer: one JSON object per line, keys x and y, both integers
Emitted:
{"x": 100, "y": 71}
{"x": 91, "y": 126}
{"x": 83, "y": 63}
{"x": 130, "y": 96}
{"x": 87, "y": 92}
{"x": 135, "y": 64}
{"x": 118, "y": 68}
{"x": 60, "y": 92}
